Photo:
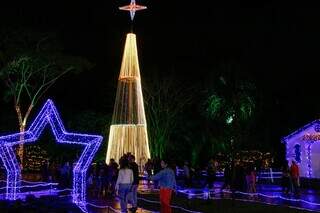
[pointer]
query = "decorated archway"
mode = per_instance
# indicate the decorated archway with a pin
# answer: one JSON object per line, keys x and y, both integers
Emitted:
{"x": 48, "y": 115}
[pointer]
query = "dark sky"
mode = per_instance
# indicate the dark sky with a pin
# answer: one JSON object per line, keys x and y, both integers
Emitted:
{"x": 275, "y": 45}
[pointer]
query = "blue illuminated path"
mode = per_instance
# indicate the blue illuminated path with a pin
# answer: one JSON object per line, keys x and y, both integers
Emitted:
{"x": 266, "y": 193}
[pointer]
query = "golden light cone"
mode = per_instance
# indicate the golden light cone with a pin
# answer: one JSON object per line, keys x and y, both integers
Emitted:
{"x": 128, "y": 132}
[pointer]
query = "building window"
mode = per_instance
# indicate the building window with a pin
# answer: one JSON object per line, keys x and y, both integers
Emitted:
{"x": 297, "y": 153}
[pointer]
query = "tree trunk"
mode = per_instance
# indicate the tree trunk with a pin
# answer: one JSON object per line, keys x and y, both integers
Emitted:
{"x": 22, "y": 127}
{"x": 20, "y": 150}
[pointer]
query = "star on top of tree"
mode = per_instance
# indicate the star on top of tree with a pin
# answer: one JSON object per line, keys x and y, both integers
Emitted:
{"x": 132, "y": 8}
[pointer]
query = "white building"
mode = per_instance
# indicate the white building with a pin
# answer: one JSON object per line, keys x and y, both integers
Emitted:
{"x": 303, "y": 146}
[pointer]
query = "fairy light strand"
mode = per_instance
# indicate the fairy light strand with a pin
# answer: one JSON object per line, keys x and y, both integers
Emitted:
{"x": 49, "y": 115}
{"x": 128, "y": 132}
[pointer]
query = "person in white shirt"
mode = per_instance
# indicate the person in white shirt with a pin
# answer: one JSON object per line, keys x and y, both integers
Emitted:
{"x": 124, "y": 183}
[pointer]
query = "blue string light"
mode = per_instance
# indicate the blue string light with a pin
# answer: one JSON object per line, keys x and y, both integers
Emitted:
{"x": 286, "y": 138}
{"x": 34, "y": 186}
{"x": 308, "y": 139}
{"x": 268, "y": 203}
{"x": 204, "y": 194}
{"x": 49, "y": 115}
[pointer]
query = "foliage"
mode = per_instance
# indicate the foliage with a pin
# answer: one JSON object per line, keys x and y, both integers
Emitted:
{"x": 94, "y": 123}
{"x": 79, "y": 121}
{"x": 231, "y": 103}
{"x": 32, "y": 61}
{"x": 165, "y": 100}
{"x": 215, "y": 106}
{"x": 240, "y": 105}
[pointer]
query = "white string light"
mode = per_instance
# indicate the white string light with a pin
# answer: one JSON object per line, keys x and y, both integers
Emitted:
{"x": 128, "y": 132}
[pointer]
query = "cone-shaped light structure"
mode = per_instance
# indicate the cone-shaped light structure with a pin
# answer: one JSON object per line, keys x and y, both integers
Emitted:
{"x": 128, "y": 131}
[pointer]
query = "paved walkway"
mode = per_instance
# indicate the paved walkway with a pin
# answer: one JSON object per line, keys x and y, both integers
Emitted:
{"x": 271, "y": 194}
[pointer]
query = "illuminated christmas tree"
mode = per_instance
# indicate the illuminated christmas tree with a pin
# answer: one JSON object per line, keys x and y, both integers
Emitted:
{"x": 128, "y": 132}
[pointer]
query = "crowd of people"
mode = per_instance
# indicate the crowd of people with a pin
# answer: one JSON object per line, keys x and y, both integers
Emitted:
{"x": 241, "y": 176}
{"x": 121, "y": 180}
{"x": 238, "y": 176}
{"x": 57, "y": 172}
{"x": 106, "y": 181}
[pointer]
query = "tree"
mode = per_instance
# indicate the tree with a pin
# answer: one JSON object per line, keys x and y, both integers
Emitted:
{"x": 94, "y": 122}
{"x": 83, "y": 121}
{"x": 165, "y": 99}
{"x": 232, "y": 103}
{"x": 31, "y": 62}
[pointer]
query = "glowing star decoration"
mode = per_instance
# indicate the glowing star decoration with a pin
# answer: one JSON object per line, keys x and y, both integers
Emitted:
{"x": 132, "y": 8}
{"x": 128, "y": 132}
{"x": 49, "y": 115}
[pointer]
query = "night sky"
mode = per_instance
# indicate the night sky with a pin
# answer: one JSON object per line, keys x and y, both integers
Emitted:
{"x": 276, "y": 46}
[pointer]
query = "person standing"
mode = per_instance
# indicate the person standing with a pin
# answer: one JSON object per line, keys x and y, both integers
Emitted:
{"x": 227, "y": 177}
{"x": 211, "y": 174}
{"x": 167, "y": 183}
{"x": 251, "y": 180}
{"x": 124, "y": 183}
{"x": 187, "y": 175}
{"x": 133, "y": 193}
{"x": 113, "y": 174}
{"x": 156, "y": 169}
{"x": 90, "y": 183}
{"x": 148, "y": 167}
{"x": 294, "y": 173}
{"x": 285, "y": 180}
{"x": 65, "y": 175}
{"x": 101, "y": 180}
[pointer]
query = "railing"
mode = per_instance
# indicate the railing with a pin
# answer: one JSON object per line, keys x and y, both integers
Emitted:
{"x": 270, "y": 174}
{"x": 267, "y": 174}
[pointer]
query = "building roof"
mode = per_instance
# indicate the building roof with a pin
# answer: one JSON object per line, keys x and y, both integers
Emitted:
{"x": 288, "y": 137}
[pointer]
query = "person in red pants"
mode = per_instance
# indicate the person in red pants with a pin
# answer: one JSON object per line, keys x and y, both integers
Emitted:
{"x": 295, "y": 177}
{"x": 167, "y": 183}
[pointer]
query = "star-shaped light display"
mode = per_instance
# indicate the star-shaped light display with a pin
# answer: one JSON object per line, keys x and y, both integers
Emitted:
{"x": 132, "y": 8}
{"x": 49, "y": 115}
